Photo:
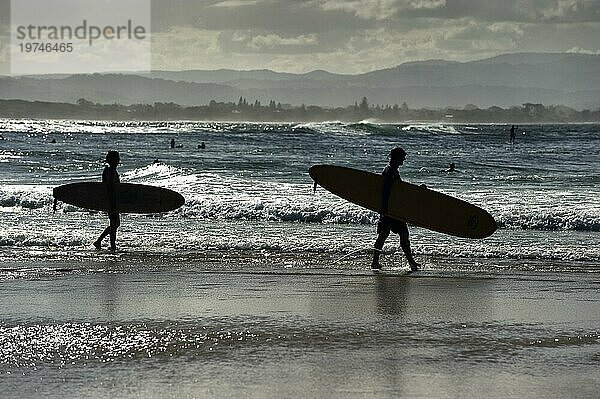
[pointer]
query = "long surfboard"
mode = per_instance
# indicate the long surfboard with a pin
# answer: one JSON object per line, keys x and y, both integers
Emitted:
{"x": 408, "y": 202}
{"x": 130, "y": 198}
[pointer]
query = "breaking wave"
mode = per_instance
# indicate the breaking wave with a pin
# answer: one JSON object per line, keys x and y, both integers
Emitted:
{"x": 213, "y": 197}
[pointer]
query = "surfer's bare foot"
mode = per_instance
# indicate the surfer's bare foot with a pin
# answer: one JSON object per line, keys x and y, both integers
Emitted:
{"x": 113, "y": 249}
{"x": 97, "y": 244}
{"x": 375, "y": 266}
{"x": 414, "y": 266}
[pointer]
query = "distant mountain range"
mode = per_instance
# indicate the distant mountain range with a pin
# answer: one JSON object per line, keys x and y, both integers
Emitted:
{"x": 506, "y": 80}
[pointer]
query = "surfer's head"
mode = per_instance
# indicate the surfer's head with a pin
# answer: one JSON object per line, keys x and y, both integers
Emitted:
{"x": 113, "y": 158}
{"x": 397, "y": 155}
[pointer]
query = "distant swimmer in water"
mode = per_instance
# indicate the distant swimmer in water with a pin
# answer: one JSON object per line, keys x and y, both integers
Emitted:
{"x": 513, "y": 133}
{"x": 387, "y": 224}
{"x": 53, "y": 141}
{"x": 110, "y": 177}
{"x": 201, "y": 146}
{"x": 172, "y": 143}
{"x": 451, "y": 168}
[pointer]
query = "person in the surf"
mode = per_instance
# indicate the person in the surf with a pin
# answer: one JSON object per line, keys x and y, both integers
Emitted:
{"x": 386, "y": 224}
{"x": 513, "y": 134}
{"x": 451, "y": 168}
{"x": 110, "y": 177}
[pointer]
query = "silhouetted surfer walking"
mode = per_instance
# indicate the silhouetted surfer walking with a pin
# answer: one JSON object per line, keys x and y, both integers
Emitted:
{"x": 387, "y": 224}
{"x": 110, "y": 177}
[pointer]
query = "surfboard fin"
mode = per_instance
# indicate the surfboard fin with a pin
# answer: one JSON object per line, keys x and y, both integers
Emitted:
{"x": 54, "y": 206}
{"x": 315, "y": 188}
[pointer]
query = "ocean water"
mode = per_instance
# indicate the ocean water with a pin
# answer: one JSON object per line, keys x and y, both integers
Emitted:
{"x": 249, "y": 191}
{"x": 259, "y": 286}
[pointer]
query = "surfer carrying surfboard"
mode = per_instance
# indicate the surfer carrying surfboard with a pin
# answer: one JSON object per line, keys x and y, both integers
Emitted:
{"x": 110, "y": 177}
{"x": 386, "y": 224}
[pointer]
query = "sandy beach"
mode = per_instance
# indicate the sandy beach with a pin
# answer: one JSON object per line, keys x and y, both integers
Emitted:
{"x": 190, "y": 330}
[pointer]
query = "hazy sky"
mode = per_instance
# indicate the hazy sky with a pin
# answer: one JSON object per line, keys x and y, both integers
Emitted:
{"x": 351, "y": 36}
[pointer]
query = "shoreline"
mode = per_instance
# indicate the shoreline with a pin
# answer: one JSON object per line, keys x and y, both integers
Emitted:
{"x": 177, "y": 332}
{"x": 89, "y": 261}
{"x": 373, "y": 121}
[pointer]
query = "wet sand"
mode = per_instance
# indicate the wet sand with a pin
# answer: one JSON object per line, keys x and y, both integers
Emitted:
{"x": 192, "y": 331}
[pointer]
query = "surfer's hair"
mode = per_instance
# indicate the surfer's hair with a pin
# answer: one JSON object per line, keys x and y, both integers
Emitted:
{"x": 112, "y": 157}
{"x": 397, "y": 153}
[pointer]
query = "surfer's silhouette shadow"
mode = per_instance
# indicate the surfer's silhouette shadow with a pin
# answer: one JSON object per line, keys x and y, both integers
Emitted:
{"x": 111, "y": 293}
{"x": 391, "y": 294}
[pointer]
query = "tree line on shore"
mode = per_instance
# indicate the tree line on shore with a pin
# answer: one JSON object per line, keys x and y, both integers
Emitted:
{"x": 277, "y": 112}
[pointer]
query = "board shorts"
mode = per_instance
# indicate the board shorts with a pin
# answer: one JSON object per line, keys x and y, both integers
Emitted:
{"x": 387, "y": 224}
{"x": 114, "y": 219}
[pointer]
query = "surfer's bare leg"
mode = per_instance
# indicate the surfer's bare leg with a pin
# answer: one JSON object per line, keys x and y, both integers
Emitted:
{"x": 98, "y": 242}
{"x": 113, "y": 239}
{"x": 115, "y": 222}
{"x": 382, "y": 235}
{"x": 405, "y": 244}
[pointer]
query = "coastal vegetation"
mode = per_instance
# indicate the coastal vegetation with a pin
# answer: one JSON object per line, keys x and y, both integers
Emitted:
{"x": 244, "y": 110}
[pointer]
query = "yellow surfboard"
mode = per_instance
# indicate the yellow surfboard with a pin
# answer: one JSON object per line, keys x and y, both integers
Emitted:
{"x": 408, "y": 202}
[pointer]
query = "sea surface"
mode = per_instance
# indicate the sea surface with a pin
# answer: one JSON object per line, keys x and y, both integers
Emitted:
{"x": 260, "y": 286}
{"x": 249, "y": 191}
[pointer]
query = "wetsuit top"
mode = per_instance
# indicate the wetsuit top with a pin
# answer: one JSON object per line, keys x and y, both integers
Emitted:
{"x": 389, "y": 176}
{"x": 390, "y": 173}
{"x": 110, "y": 175}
